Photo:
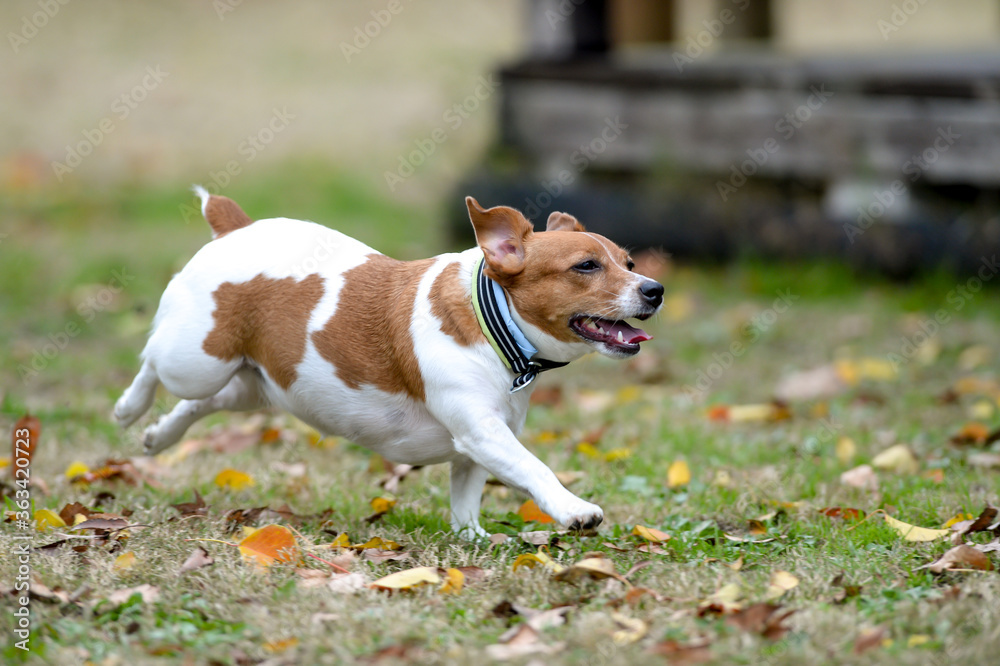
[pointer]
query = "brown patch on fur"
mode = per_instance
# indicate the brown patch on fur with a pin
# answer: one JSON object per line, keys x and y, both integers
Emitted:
{"x": 225, "y": 215}
{"x": 548, "y": 292}
{"x": 451, "y": 303}
{"x": 264, "y": 320}
{"x": 368, "y": 338}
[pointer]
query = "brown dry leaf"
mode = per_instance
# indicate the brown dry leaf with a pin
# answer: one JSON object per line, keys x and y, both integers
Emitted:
{"x": 570, "y": 476}
{"x": 991, "y": 547}
{"x": 912, "y": 532}
{"x": 149, "y": 594}
{"x": 843, "y": 513}
{"x": 781, "y": 582}
{"x": 693, "y": 653}
{"x": 590, "y": 567}
{"x": 112, "y": 470}
{"x": 960, "y": 557}
{"x": 530, "y": 512}
{"x": 549, "y": 396}
{"x": 270, "y": 544}
{"x": 408, "y": 579}
{"x": 198, "y": 558}
{"x": 869, "y": 638}
{"x": 846, "y": 590}
{"x": 23, "y": 440}
{"x": 898, "y": 459}
{"x": 97, "y": 522}
{"x": 724, "y": 601}
{"x": 195, "y": 508}
{"x": 650, "y": 534}
{"x": 980, "y": 524}
{"x": 537, "y": 538}
{"x": 70, "y": 512}
{"x": 523, "y": 641}
{"x": 376, "y": 555}
{"x": 862, "y": 476}
{"x": 762, "y": 619}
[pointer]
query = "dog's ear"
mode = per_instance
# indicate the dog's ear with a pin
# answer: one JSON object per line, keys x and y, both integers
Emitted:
{"x": 563, "y": 222}
{"x": 501, "y": 233}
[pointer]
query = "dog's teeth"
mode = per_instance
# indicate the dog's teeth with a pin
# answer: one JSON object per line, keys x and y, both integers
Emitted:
{"x": 621, "y": 338}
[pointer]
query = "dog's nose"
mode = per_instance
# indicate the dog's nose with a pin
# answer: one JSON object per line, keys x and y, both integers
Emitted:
{"x": 652, "y": 291}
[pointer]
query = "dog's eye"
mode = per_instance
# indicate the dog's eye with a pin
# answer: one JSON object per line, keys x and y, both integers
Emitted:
{"x": 630, "y": 265}
{"x": 588, "y": 266}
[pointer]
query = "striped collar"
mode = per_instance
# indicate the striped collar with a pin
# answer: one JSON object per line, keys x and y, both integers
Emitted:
{"x": 507, "y": 340}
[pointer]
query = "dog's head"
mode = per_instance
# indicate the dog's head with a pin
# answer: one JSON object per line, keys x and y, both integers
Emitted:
{"x": 573, "y": 289}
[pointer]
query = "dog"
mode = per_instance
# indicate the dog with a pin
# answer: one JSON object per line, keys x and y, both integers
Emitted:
{"x": 423, "y": 362}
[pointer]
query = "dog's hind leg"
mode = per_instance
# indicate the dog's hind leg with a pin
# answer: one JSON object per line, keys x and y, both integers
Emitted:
{"x": 138, "y": 397}
{"x": 467, "y": 482}
{"x": 242, "y": 393}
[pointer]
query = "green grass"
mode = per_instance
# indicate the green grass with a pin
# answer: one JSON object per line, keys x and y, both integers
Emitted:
{"x": 60, "y": 251}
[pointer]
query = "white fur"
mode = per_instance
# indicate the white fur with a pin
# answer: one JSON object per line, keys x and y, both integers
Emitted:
{"x": 469, "y": 419}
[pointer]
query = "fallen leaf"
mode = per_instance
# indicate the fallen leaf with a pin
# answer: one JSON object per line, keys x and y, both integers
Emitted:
{"x": 269, "y": 544}
{"x": 124, "y": 562}
{"x": 589, "y": 567}
{"x": 148, "y": 593}
{"x": 762, "y": 619}
{"x": 348, "y": 583}
{"x": 76, "y": 469}
{"x": 530, "y": 512}
{"x": 232, "y": 479}
{"x": 198, "y": 558}
{"x": 960, "y": 557}
{"x": 974, "y": 356}
{"x": 45, "y": 518}
{"x": 283, "y": 645}
{"x": 898, "y": 459}
{"x": 408, "y": 579}
{"x": 550, "y": 396}
{"x": 914, "y": 533}
{"x": 843, "y": 513}
{"x": 195, "y": 508}
{"x": 818, "y": 383}
{"x": 396, "y": 476}
{"x": 632, "y": 629}
{"x": 615, "y": 455}
{"x": 862, "y": 476}
{"x": 70, "y": 513}
{"x": 523, "y": 641}
{"x": 988, "y": 460}
{"x": 781, "y": 582}
{"x": 537, "y": 538}
{"x": 846, "y": 450}
{"x": 569, "y": 477}
{"x": 24, "y": 440}
{"x": 650, "y": 534}
{"x": 724, "y": 601}
{"x": 868, "y": 639}
{"x": 971, "y": 434}
{"x": 678, "y": 474}
{"x": 532, "y": 560}
{"x": 693, "y": 653}
{"x": 380, "y": 507}
{"x": 377, "y": 543}
{"x": 982, "y": 523}
{"x": 453, "y": 583}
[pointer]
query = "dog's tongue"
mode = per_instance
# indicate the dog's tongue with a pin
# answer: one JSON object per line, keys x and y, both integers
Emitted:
{"x": 630, "y": 334}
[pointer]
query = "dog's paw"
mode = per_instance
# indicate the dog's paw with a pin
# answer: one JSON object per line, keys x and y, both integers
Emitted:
{"x": 581, "y": 516}
{"x": 471, "y": 533}
{"x": 122, "y": 414}
{"x": 153, "y": 440}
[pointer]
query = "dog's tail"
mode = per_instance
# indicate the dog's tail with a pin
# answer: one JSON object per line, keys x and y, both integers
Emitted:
{"x": 222, "y": 213}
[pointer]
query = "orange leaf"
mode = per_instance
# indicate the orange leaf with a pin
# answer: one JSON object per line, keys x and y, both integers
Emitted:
{"x": 270, "y": 544}
{"x": 718, "y": 413}
{"x": 844, "y": 513}
{"x": 530, "y": 512}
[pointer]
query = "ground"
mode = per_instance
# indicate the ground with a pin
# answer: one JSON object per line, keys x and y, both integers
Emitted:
{"x": 77, "y": 306}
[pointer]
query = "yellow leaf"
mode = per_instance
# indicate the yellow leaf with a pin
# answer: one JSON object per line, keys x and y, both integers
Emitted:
{"x": 4, "y": 462}
{"x": 879, "y": 369}
{"x": 916, "y": 640}
{"x": 377, "y": 542}
{"x": 957, "y": 518}
{"x": 547, "y": 437}
{"x": 382, "y": 504}
{"x": 678, "y": 474}
{"x": 408, "y": 579}
{"x": 592, "y": 567}
{"x": 781, "y": 582}
{"x": 914, "y": 533}
{"x": 588, "y": 449}
{"x": 725, "y": 600}
{"x": 846, "y": 450}
{"x": 743, "y": 413}
{"x": 124, "y": 562}
{"x": 617, "y": 454}
{"x": 45, "y": 518}
{"x": 981, "y": 409}
{"x": 898, "y": 459}
{"x": 627, "y": 394}
{"x": 650, "y": 534}
{"x": 76, "y": 469}
{"x": 529, "y": 511}
{"x": 342, "y": 541}
{"x": 974, "y": 356}
{"x": 722, "y": 479}
{"x": 282, "y": 645}
{"x": 531, "y": 560}
{"x": 233, "y": 479}
{"x": 632, "y": 629}
{"x": 270, "y": 544}
{"x": 248, "y": 530}
{"x": 454, "y": 581}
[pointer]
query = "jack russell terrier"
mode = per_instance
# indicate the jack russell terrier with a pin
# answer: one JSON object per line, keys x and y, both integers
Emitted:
{"x": 424, "y": 362}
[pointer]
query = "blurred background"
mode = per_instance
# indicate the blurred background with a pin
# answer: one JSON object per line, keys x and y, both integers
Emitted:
{"x": 792, "y": 142}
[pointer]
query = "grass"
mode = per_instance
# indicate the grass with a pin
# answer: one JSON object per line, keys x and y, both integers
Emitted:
{"x": 59, "y": 253}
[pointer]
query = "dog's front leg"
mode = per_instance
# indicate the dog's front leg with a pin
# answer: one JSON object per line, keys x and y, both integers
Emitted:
{"x": 467, "y": 482}
{"x": 491, "y": 445}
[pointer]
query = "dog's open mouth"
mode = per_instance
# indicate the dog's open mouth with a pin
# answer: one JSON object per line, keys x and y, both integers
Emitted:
{"x": 616, "y": 334}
